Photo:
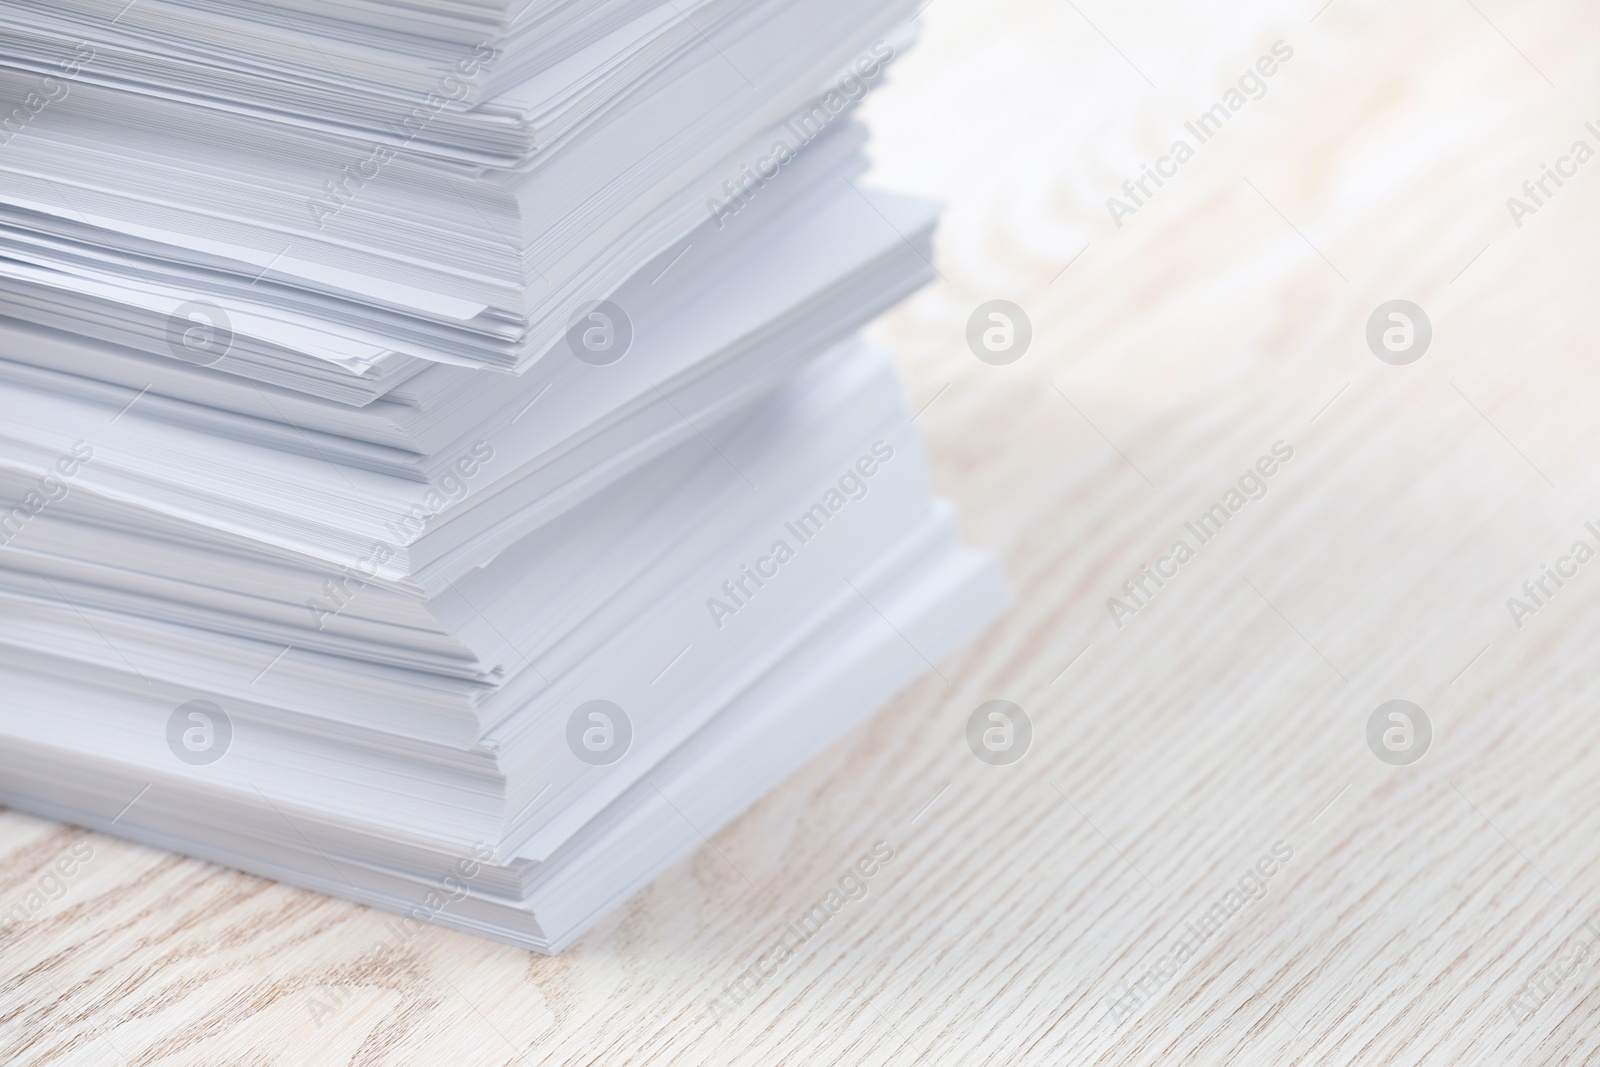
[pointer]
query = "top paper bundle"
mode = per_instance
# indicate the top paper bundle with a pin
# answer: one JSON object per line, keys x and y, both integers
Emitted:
{"x": 370, "y": 187}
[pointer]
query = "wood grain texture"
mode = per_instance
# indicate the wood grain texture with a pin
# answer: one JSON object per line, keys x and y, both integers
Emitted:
{"x": 1170, "y": 753}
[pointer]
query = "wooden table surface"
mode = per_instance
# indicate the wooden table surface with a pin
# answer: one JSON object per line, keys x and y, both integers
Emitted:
{"x": 1107, "y": 899}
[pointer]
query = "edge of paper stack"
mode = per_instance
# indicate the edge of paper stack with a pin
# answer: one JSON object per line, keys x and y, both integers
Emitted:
{"x": 439, "y": 466}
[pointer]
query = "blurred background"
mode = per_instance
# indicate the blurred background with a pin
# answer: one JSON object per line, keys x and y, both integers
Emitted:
{"x": 1208, "y": 852}
{"x": 1427, "y": 907}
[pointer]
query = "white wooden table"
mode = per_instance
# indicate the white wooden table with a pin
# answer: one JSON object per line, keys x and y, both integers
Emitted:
{"x": 1107, "y": 898}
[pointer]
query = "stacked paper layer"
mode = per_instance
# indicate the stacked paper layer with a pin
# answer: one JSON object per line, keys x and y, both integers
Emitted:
{"x": 437, "y": 464}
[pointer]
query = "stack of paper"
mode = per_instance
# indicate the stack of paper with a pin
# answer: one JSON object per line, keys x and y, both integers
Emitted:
{"x": 437, "y": 464}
